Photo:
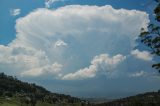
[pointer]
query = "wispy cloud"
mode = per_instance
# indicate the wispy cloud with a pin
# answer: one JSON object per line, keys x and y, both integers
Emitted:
{"x": 144, "y": 55}
{"x": 60, "y": 43}
{"x": 15, "y": 12}
{"x": 48, "y": 3}
{"x": 138, "y": 74}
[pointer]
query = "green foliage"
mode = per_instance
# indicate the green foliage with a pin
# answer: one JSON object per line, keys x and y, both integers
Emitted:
{"x": 27, "y": 94}
{"x": 151, "y": 37}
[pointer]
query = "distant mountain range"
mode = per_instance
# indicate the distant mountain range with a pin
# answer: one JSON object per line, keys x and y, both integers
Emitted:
{"x": 98, "y": 100}
{"x": 146, "y": 99}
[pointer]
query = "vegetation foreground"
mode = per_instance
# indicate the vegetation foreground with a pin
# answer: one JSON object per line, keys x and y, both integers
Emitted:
{"x": 17, "y": 102}
{"x": 14, "y": 92}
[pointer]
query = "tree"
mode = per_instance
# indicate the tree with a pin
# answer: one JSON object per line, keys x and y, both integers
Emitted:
{"x": 151, "y": 37}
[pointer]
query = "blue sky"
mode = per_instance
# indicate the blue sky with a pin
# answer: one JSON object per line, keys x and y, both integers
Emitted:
{"x": 86, "y": 48}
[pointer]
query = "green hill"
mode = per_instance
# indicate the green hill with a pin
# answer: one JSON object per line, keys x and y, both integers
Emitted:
{"x": 146, "y": 99}
{"x": 14, "y": 92}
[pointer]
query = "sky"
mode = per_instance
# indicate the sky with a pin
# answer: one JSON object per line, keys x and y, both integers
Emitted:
{"x": 85, "y": 48}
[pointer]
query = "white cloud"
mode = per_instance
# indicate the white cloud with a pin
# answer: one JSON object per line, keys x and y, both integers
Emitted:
{"x": 86, "y": 34}
{"x": 53, "y": 69}
{"x": 144, "y": 55}
{"x": 26, "y": 61}
{"x": 48, "y": 3}
{"x": 100, "y": 63}
{"x": 138, "y": 74}
{"x": 60, "y": 43}
{"x": 15, "y": 12}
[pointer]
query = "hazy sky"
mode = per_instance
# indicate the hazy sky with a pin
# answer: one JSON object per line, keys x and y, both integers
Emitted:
{"x": 86, "y": 48}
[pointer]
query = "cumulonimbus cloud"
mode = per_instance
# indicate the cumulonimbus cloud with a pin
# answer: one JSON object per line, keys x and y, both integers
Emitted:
{"x": 88, "y": 31}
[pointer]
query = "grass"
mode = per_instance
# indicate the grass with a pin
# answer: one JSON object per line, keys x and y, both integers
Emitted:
{"x": 16, "y": 102}
{"x": 9, "y": 102}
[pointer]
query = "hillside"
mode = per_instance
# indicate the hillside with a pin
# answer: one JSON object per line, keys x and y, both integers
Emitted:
{"x": 146, "y": 99}
{"x": 14, "y": 92}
